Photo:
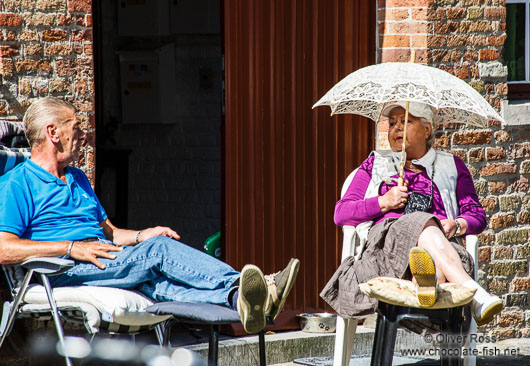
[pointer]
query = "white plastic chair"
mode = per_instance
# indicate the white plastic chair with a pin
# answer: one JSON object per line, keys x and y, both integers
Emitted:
{"x": 345, "y": 329}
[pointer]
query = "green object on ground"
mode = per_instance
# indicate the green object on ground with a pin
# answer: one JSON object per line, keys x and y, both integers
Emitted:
{"x": 212, "y": 245}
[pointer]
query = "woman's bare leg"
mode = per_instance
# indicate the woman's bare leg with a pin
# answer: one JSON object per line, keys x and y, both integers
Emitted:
{"x": 449, "y": 267}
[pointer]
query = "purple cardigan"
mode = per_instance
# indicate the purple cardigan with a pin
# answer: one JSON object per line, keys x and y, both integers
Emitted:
{"x": 353, "y": 209}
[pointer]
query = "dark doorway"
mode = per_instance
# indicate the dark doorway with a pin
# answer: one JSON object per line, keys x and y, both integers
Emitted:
{"x": 158, "y": 87}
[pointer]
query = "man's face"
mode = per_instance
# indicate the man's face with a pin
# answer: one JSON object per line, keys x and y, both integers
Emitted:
{"x": 71, "y": 136}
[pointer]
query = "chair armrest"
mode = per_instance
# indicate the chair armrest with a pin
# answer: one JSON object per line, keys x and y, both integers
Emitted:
{"x": 48, "y": 265}
{"x": 348, "y": 242}
{"x": 472, "y": 249}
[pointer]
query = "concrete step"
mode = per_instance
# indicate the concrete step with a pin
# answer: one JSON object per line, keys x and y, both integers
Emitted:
{"x": 287, "y": 346}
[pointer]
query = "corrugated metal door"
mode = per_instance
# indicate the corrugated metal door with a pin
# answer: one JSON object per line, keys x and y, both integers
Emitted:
{"x": 284, "y": 163}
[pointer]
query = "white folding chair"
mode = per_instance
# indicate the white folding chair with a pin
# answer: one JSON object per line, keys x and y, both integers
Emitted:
{"x": 346, "y": 328}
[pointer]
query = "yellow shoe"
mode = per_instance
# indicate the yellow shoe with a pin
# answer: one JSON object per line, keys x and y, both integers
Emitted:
{"x": 424, "y": 271}
{"x": 485, "y": 312}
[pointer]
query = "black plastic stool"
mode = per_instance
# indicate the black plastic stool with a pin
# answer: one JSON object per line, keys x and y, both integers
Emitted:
{"x": 388, "y": 319}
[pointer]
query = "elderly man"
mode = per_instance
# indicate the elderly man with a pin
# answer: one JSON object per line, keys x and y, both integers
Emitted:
{"x": 48, "y": 208}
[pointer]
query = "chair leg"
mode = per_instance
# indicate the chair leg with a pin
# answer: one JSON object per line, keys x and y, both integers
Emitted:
{"x": 10, "y": 308}
{"x": 344, "y": 337}
{"x": 452, "y": 346}
{"x": 262, "y": 355}
{"x": 55, "y": 315}
{"x": 159, "y": 332}
{"x": 213, "y": 353}
{"x": 471, "y": 345}
{"x": 385, "y": 336}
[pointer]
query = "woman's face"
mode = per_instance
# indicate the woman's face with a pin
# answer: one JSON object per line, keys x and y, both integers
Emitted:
{"x": 417, "y": 133}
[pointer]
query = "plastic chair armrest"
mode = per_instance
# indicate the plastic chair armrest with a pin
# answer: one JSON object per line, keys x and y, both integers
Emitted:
{"x": 48, "y": 265}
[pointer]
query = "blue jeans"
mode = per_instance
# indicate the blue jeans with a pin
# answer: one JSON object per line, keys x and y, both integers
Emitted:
{"x": 162, "y": 269}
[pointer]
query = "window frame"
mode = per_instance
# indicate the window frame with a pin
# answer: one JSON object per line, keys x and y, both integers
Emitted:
{"x": 518, "y": 90}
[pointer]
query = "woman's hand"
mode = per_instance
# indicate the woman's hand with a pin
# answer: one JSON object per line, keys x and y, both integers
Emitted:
{"x": 450, "y": 227}
{"x": 395, "y": 198}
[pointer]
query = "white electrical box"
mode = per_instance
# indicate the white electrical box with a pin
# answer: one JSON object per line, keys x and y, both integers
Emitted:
{"x": 143, "y": 17}
{"x": 195, "y": 16}
{"x": 148, "y": 86}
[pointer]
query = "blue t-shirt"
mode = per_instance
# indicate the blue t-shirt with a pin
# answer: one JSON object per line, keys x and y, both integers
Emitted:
{"x": 36, "y": 205}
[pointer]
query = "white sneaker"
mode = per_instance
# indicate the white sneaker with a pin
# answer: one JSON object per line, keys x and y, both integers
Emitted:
{"x": 484, "y": 311}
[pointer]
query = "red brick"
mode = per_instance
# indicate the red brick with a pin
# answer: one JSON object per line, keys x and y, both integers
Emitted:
{"x": 78, "y": 49}
{"x": 29, "y": 35}
{"x": 501, "y": 220}
{"x": 2, "y": 110}
{"x": 11, "y": 35}
{"x": 489, "y": 203}
{"x": 408, "y": 28}
{"x": 408, "y": 3}
{"x": 421, "y": 13}
{"x": 471, "y": 56}
{"x": 477, "y": 40}
{"x": 81, "y": 86}
{"x": 421, "y": 41}
{"x": 442, "y": 27}
{"x": 488, "y": 55}
{"x": 6, "y": 67}
{"x": 59, "y": 49}
{"x": 441, "y": 55}
{"x": 393, "y": 14}
{"x": 520, "y": 185}
{"x": 495, "y": 153}
{"x": 443, "y": 140}
{"x": 456, "y": 13}
{"x": 437, "y": 14}
{"x": 8, "y": 51}
{"x": 496, "y": 186}
{"x": 523, "y": 217}
{"x": 82, "y": 35}
{"x": 65, "y": 19}
{"x": 462, "y": 71}
{"x": 33, "y": 49}
{"x": 521, "y": 284}
{"x": 84, "y": 6}
{"x": 488, "y": 88}
{"x": 512, "y": 318}
{"x": 32, "y": 66}
{"x": 436, "y": 41}
{"x": 457, "y": 40}
{"x": 88, "y": 20}
{"x": 497, "y": 40}
{"x": 495, "y": 13}
{"x": 502, "y": 89}
{"x": 388, "y": 41}
{"x": 482, "y": 26}
{"x": 476, "y": 155}
{"x": 472, "y": 138}
{"x": 497, "y": 168}
{"x": 53, "y": 35}
{"x": 484, "y": 254}
{"x": 65, "y": 67}
{"x": 10, "y": 20}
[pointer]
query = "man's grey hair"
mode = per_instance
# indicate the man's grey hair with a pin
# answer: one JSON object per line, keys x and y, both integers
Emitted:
{"x": 431, "y": 138}
{"x": 40, "y": 113}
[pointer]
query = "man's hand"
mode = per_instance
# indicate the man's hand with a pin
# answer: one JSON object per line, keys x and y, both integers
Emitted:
{"x": 91, "y": 251}
{"x": 158, "y": 231}
{"x": 395, "y": 198}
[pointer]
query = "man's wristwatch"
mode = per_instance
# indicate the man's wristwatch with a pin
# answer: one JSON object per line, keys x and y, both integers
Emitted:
{"x": 458, "y": 228}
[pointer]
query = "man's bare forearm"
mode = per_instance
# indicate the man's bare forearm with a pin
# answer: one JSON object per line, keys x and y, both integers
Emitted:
{"x": 15, "y": 250}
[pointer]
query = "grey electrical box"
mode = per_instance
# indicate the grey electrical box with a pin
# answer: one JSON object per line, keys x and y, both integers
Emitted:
{"x": 144, "y": 17}
{"x": 148, "y": 86}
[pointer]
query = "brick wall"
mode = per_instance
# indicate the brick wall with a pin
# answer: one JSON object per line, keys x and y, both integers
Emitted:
{"x": 46, "y": 50}
{"x": 466, "y": 39}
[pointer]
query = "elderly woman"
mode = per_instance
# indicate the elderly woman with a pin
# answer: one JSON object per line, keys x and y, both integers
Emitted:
{"x": 418, "y": 223}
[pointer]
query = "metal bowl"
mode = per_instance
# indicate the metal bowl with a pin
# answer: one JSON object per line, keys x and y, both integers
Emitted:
{"x": 318, "y": 322}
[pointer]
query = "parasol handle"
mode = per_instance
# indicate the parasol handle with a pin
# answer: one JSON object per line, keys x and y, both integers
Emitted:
{"x": 403, "y": 154}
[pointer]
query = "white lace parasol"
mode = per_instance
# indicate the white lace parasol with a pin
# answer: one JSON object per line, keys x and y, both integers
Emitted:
{"x": 367, "y": 90}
